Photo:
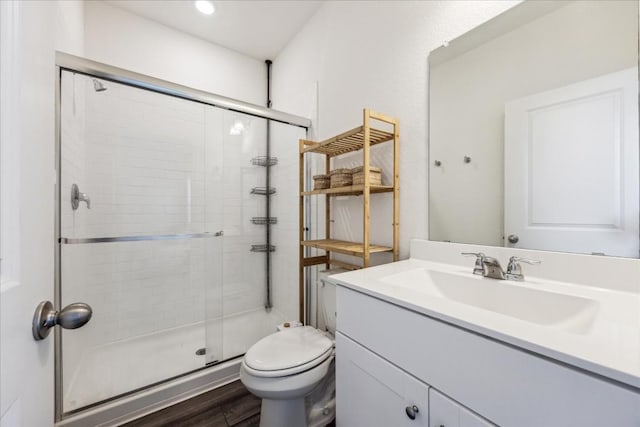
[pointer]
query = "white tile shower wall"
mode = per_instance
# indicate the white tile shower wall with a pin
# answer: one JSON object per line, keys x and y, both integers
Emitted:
{"x": 158, "y": 165}
{"x": 139, "y": 156}
{"x": 243, "y": 271}
{"x": 135, "y": 288}
{"x": 142, "y": 162}
{"x": 150, "y": 48}
{"x": 145, "y": 153}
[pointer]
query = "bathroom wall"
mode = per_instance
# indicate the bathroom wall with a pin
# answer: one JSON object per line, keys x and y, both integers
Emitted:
{"x": 123, "y": 39}
{"x": 374, "y": 54}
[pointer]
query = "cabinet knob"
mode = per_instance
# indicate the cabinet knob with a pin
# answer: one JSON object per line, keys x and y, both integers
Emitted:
{"x": 411, "y": 411}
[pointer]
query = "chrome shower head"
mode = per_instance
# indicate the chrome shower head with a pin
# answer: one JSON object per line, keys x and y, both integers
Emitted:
{"x": 98, "y": 86}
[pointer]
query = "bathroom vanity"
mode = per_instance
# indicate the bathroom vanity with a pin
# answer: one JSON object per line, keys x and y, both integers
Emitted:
{"x": 424, "y": 342}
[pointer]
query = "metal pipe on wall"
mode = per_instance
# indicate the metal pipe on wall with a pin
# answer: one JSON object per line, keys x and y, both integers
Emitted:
{"x": 268, "y": 305}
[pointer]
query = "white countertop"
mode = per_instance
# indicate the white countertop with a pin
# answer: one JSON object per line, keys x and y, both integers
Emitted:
{"x": 610, "y": 347}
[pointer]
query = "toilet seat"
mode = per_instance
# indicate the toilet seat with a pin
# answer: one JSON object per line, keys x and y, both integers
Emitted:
{"x": 288, "y": 352}
{"x": 287, "y": 372}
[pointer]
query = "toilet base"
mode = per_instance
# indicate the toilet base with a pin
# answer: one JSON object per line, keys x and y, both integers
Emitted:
{"x": 273, "y": 412}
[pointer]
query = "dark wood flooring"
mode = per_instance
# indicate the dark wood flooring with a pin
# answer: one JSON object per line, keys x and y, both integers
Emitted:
{"x": 229, "y": 406}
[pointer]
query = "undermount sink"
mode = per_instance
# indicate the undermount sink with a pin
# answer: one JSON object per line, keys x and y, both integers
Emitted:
{"x": 566, "y": 312}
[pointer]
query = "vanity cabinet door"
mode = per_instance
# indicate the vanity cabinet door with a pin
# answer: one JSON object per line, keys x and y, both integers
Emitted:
{"x": 372, "y": 392}
{"x": 444, "y": 412}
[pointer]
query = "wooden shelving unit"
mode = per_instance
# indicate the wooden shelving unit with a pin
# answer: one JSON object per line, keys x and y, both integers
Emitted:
{"x": 361, "y": 138}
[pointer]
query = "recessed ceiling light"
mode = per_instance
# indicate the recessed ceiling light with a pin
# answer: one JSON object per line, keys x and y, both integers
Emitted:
{"x": 205, "y": 7}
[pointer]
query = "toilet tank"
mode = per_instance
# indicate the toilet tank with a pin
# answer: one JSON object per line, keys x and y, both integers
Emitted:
{"x": 327, "y": 299}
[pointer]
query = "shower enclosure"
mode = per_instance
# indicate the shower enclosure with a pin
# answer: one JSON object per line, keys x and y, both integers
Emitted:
{"x": 162, "y": 215}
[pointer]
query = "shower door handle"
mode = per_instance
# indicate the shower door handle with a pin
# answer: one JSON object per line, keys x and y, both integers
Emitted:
{"x": 72, "y": 316}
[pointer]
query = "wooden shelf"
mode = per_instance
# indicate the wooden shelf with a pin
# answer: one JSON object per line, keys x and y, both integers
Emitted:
{"x": 357, "y": 139}
{"x": 323, "y": 259}
{"x": 350, "y": 190}
{"x": 347, "y": 142}
{"x": 344, "y": 247}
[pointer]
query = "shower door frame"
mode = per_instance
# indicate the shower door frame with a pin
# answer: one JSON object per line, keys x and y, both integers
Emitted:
{"x": 76, "y": 64}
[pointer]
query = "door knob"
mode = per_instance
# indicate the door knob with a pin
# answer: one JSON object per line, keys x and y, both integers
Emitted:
{"x": 513, "y": 238}
{"x": 72, "y": 316}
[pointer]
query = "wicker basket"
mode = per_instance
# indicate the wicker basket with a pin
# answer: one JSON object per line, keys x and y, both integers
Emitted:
{"x": 375, "y": 175}
{"x": 341, "y": 177}
{"x": 320, "y": 182}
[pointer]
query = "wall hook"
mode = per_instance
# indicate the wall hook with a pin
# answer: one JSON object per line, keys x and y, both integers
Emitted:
{"x": 467, "y": 159}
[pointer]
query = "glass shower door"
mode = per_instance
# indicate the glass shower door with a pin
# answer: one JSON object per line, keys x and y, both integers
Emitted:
{"x": 253, "y": 304}
{"x": 144, "y": 250}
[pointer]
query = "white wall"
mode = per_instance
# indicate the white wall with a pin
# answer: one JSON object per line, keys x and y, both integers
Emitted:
{"x": 31, "y": 32}
{"x": 122, "y": 39}
{"x": 374, "y": 54}
{"x": 577, "y": 42}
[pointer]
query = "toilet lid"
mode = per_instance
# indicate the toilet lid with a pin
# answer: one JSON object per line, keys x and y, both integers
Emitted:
{"x": 287, "y": 349}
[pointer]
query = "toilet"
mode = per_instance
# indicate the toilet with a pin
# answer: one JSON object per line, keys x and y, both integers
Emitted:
{"x": 293, "y": 372}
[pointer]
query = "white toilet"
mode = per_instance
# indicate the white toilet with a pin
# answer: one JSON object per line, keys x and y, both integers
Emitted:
{"x": 293, "y": 372}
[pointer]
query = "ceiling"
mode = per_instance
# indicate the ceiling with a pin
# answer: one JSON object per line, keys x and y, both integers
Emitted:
{"x": 258, "y": 28}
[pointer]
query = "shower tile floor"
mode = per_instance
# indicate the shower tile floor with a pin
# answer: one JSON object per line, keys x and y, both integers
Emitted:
{"x": 120, "y": 367}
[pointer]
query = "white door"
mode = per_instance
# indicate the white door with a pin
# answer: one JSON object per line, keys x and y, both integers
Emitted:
{"x": 371, "y": 392}
{"x": 27, "y": 118}
{"x": 571, "y": 167}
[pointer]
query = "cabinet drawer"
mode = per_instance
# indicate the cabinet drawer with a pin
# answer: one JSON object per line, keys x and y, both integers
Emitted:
{"x": 371, "y": 392}
{"x": 506, "y": 385}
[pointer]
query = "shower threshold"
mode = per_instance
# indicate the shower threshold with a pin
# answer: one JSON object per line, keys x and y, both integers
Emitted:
{"x": 145, "y": 402}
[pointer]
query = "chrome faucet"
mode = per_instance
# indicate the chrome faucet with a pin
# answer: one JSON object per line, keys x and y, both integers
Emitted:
{"x": 479, "y": 267}
{"x": 487, "y": 266}
{"x": 492, "y": 268}
{"x": 514, "y": 269}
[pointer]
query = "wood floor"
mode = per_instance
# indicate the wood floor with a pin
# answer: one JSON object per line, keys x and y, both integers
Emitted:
{"x": 228, "y": 406}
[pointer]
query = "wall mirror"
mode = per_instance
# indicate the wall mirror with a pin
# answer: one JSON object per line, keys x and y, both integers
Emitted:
{"x": 533, "y": 130}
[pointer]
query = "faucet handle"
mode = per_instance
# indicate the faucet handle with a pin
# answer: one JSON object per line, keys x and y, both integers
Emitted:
{"x": 514, "y": 269}
{"x": 77, "y": 197}
{"x": 479, "y": 267}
